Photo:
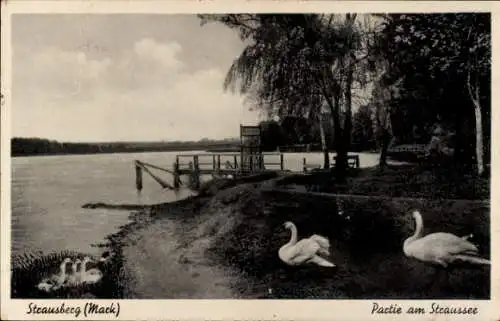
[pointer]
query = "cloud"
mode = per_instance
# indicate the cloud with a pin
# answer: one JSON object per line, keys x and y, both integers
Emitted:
{"x": 55, "y": 73}
{"x": 165, "y": 54}
{"x": 143, "y": 92}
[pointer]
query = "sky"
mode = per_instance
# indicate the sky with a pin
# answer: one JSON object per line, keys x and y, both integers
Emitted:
{"x": 133, "y": 77}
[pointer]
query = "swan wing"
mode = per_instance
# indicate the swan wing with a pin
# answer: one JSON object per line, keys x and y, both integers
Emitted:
{"x": 321, "y": 240}
{"x": 471, "y": 259}
{"x": 303, "y": 251}
{"x": 440, "y": 248}
{"x": 449, "y": 243}
{"x": 318, "y": 260}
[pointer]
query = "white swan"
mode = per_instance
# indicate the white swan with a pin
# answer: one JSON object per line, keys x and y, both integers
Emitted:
{"x": 304, "y": 251}
{"x": 89, "y": 276}
{"x": 74, "y": 278}
{"x": 55, "y": 281}
{"x": 440, "y": 248}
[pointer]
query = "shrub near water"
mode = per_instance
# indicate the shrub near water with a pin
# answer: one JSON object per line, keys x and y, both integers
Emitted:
{"x": 30, "y": 268}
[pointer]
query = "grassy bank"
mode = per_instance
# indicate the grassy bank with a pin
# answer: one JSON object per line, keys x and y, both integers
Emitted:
{"x": 225, "y": 246}
{"x": 224, "y": 242}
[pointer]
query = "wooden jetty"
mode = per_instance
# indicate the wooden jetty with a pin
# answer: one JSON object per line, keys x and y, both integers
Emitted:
{"x": 220, "y": 165}
{"x": 217, "y": 165}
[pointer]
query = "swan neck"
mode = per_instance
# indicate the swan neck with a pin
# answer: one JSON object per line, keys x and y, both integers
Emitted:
{"x": 63, "y": 270}
{"x": 419, "y": 225}
{"x": 83, "y": 269}
{"x": 293, "y": 238}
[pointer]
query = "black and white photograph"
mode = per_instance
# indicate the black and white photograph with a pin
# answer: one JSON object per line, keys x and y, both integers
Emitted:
{"x": 249, "y": 156}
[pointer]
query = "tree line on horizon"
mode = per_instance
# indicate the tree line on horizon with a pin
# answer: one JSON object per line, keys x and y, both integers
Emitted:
{"x": 39, "y": 146}
{"x": 421, "y": 69}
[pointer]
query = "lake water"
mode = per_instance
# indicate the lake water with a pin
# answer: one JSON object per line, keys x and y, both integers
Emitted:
{"x": 48, "y": 193}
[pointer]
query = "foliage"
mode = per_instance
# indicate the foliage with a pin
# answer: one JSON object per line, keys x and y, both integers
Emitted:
{"x": 433, "y": 55}
{"x": 422, "y": 68}
{"x": 273, "y": 135}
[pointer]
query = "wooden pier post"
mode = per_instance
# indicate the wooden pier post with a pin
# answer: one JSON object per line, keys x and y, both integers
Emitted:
{"x": 235, "y": 161}
{"x": 177, "y": 176}
{"x": 196, "y": 172}
{"x": 282, "y": 167}
{"x": 138, "y": 176}
{"x": 304, "y": 165}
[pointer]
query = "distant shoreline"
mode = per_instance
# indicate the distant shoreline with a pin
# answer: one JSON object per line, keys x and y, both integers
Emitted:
{"x": 107, "y": 152}
{"x": 44, "y": 147}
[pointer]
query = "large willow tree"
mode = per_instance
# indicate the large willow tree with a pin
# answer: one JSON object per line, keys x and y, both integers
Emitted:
{"x": 299, "y": 64}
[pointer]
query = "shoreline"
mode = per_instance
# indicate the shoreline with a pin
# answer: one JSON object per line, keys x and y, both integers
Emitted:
{"x": 207, "y": 226}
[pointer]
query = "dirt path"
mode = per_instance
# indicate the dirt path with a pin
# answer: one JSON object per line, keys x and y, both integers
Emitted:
{"x": 167, "y": 259}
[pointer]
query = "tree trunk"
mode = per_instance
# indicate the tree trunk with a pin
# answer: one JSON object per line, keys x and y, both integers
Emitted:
{"x": 386, "y": 138}
{"x": 479, "y": 139}
{"x": 326, "y": 161}
{"x": 474, "y": 95}
{"x": 336, "y": 119}
{"x": 341, "y": 164}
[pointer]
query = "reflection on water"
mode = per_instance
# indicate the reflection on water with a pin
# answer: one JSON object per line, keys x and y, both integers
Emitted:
{"x": 48, "y": 192}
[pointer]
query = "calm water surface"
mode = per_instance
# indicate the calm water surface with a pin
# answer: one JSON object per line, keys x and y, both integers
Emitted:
{"x": 48, "y": 192}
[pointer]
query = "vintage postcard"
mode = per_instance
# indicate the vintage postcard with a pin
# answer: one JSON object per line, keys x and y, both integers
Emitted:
{"x": 256, "y": 160}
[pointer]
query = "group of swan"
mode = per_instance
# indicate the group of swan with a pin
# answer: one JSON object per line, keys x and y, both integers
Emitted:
{"x": 437, "y": 248}
{"x": 75, "y": 278}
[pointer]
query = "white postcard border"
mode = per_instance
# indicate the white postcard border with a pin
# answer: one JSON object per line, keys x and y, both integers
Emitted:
{"x": 242, "y": 309}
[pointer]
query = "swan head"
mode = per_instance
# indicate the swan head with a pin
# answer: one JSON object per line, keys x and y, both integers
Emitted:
{"x": 75, "y": 264}
{"x": 65, "y": 262}
{"x": 288, "y": 225}
{"x": 416, "y": 214}
{"x": 87, "y": 259}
